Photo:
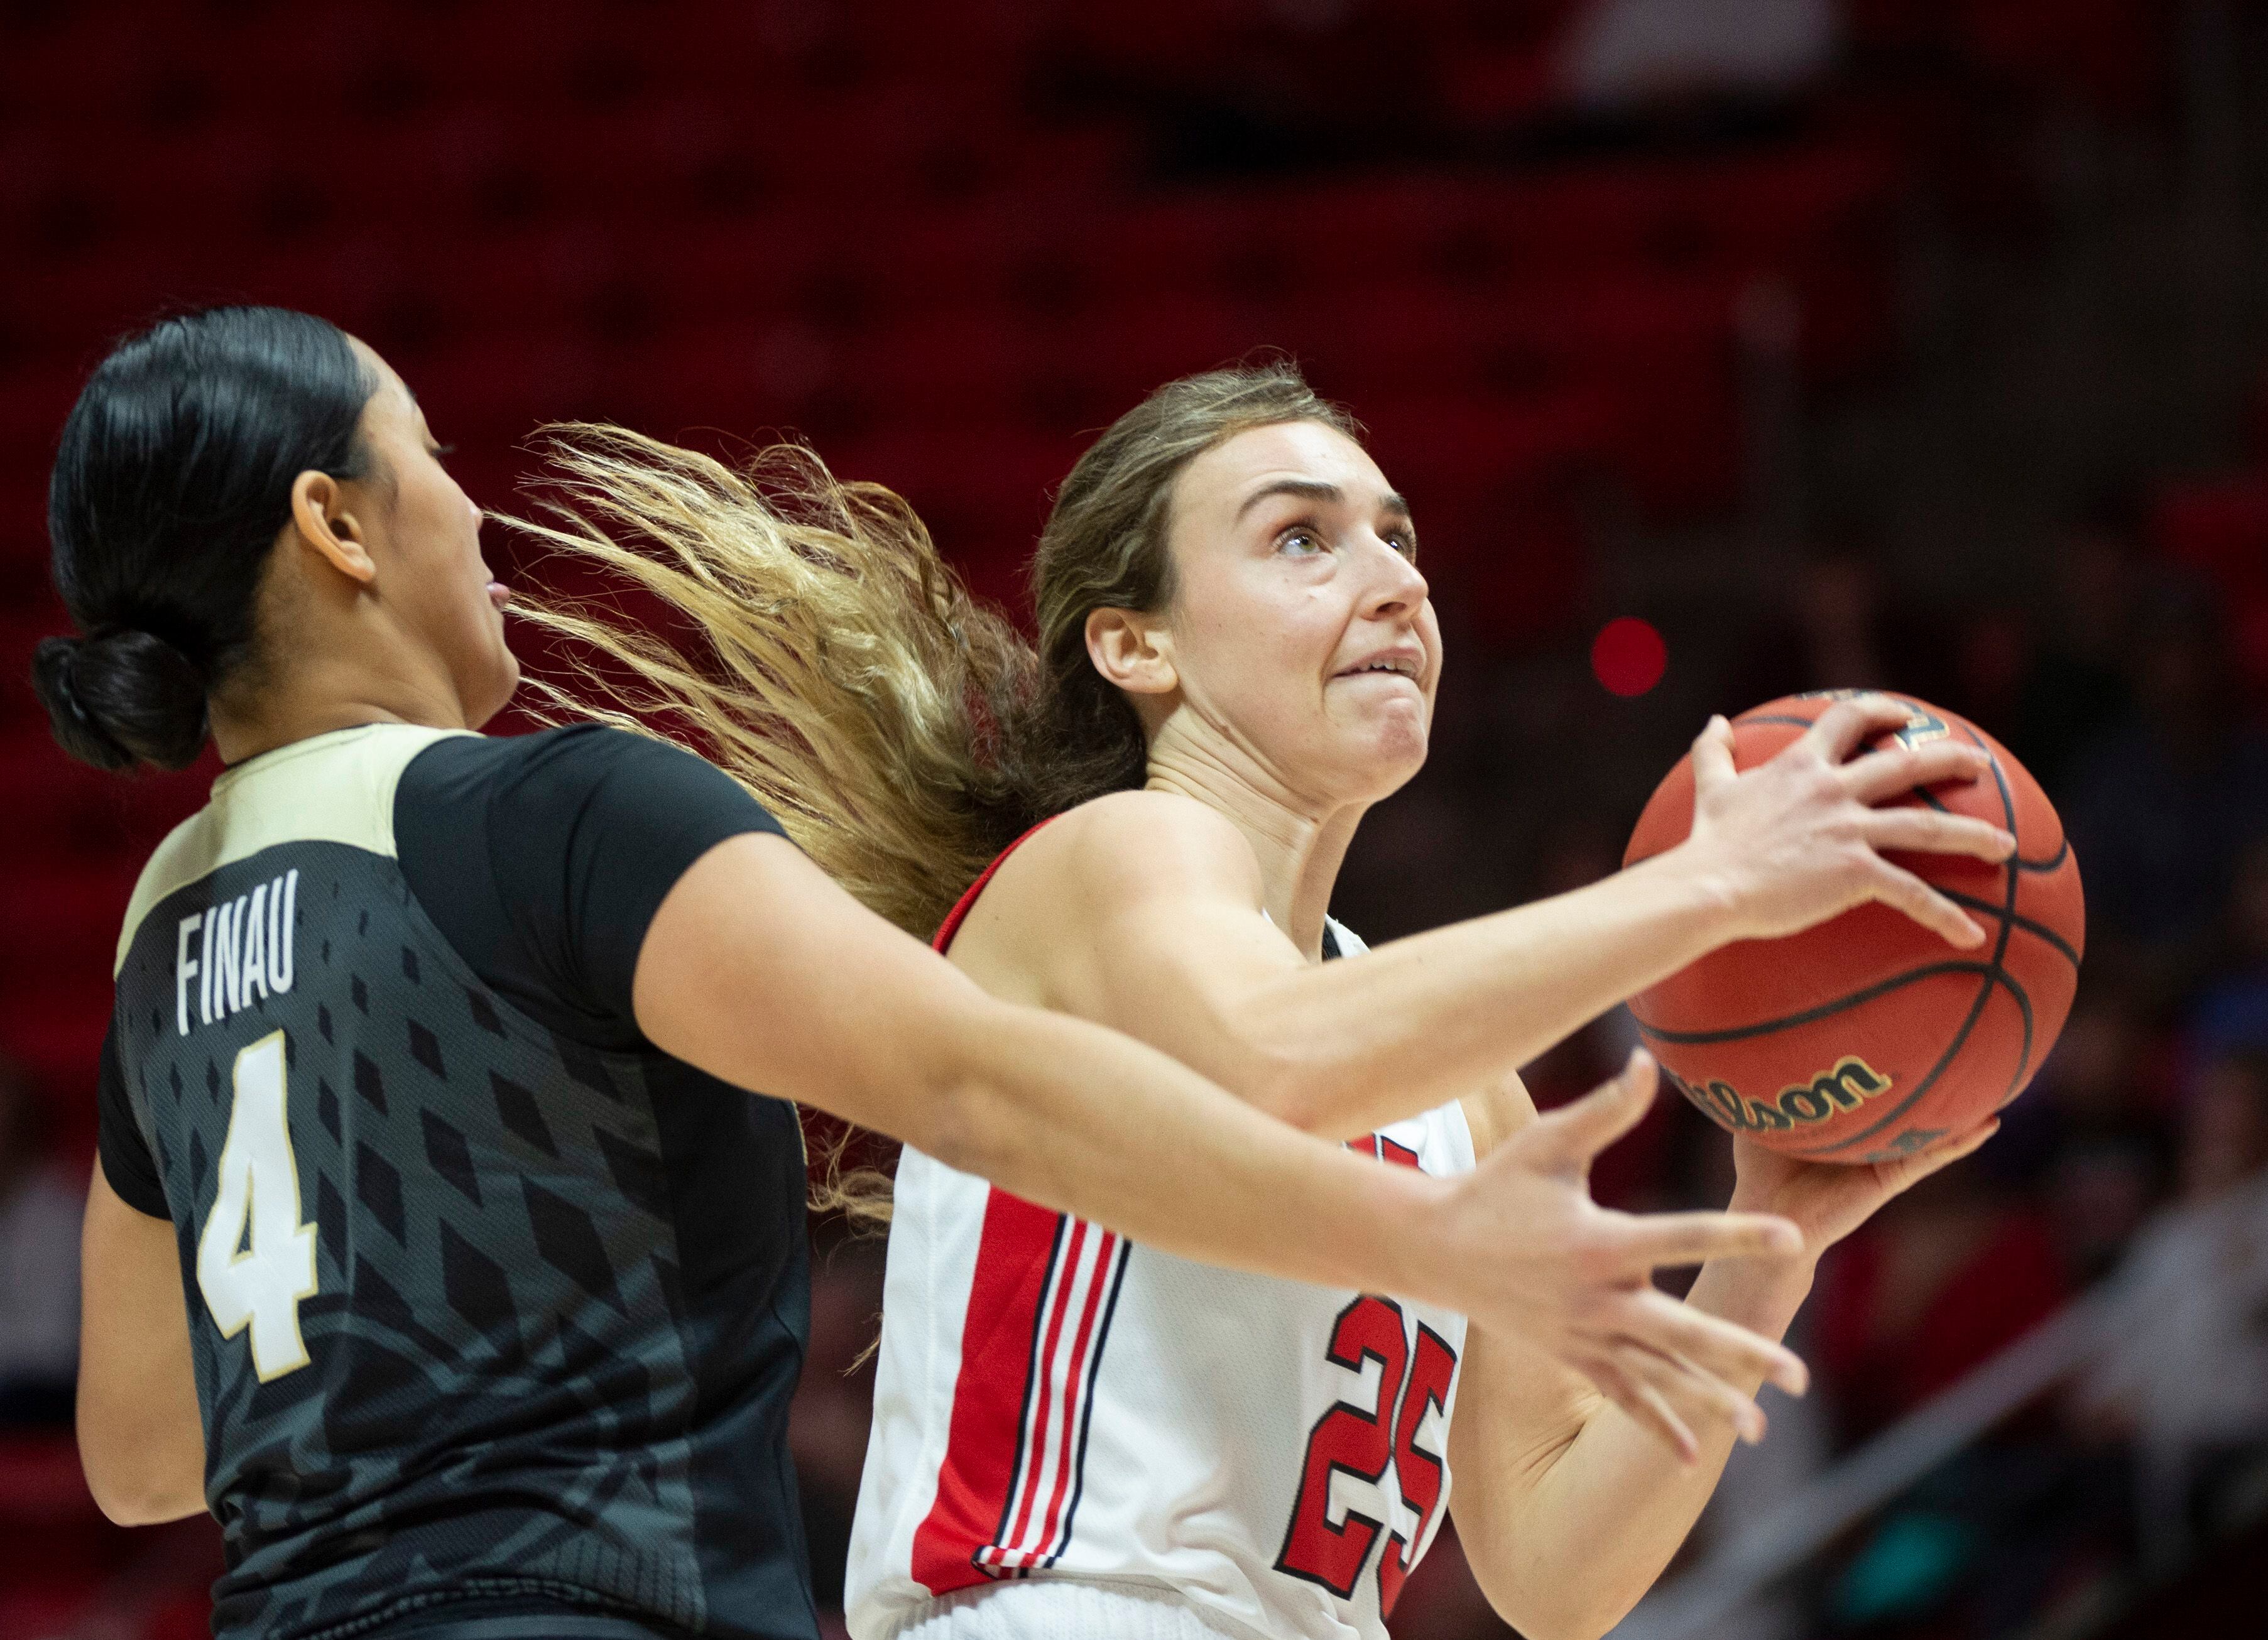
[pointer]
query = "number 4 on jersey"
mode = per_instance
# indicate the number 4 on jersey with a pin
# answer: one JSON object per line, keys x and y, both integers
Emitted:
{"x": 259, "y": 1285}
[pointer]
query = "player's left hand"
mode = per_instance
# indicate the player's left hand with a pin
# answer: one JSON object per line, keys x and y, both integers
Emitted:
{"x": 1828, "y": 1200}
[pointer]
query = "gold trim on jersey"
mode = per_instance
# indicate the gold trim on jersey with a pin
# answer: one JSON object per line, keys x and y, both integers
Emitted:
{"x": 330, "y": 788}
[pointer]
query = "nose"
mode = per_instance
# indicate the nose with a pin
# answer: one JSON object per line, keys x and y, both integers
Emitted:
{"x": 1398, "y": 588}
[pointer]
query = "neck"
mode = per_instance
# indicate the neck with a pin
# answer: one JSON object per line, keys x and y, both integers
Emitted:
{"x": 1300, "y": 842}
{"x": 322, "y": 696}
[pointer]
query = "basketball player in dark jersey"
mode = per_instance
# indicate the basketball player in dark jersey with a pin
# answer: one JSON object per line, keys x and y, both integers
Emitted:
{"x": 435, "y": 1243}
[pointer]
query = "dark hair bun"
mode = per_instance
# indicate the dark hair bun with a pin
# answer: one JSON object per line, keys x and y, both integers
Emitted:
{"x": 119, "y": 697}
{"x": 172, "y": 481}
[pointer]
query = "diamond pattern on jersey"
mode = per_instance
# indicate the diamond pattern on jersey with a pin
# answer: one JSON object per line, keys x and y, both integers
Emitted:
{"x": 496, "y": 1271}
{"x": 451, "y": 1156}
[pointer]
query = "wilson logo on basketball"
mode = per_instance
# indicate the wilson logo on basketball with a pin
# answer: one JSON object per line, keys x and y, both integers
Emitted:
{"x": 1922, "y": 724}
{"x": 1851, "y": 1084}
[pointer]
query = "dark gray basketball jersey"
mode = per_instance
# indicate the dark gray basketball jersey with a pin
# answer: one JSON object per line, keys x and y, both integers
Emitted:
{"x": 479, "y": 1312}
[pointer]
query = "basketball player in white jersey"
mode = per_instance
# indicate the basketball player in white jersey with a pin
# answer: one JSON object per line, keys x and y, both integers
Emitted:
{"x": 1076, "y": 1436}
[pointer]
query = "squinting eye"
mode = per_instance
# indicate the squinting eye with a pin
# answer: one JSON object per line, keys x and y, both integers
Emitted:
{"x": 1404, "y": 543}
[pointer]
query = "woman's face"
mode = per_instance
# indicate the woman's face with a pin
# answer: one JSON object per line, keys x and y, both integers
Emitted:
{"x": 1300, "y": 626}
{"x": 424, "y": 533}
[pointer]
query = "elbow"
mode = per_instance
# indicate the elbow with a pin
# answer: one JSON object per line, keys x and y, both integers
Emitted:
{"x": 1535, "y": 1599}
{"x": 1541, "y": 1620}
{"x": 135, "y": 1482}
{"x": 1540, "y": 1617}
{"x": 960, "y": 1119}
{"x": 1300, "y": 1089}
{"x": 130, "y": 1498}
{"x": 970, "y": 1107}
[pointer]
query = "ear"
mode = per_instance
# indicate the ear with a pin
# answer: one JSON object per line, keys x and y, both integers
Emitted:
{"x": 319, "y": 515}
{"x": 1131, "y": 651}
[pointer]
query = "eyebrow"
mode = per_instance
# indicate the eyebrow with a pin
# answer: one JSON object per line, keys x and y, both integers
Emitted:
{"x": 1315, "y": 489}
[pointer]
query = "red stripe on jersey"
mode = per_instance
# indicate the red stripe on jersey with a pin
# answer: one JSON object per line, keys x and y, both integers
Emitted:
{"x": 1013, "y": 1260}
{"x": 959, "y": 915}
{"x": 1075, "y": 1401}
{"x": 1401, "y": 1155}
{"x": 1015, "y": 1256}
{"x": 1035, "y": 1437}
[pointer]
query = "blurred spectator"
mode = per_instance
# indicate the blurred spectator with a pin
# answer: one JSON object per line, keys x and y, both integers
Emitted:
{"x": 2165, "y": 804}
{"x": 41, "y": 1204}
{"x": 2078, "y": 682}
{"x": 1627, "y": 52}
{"x": 1840, "y": 627}
{"x": 2090, "y": 1136}
{"x": 1940, "y": 1280}
{"x": 2185, "y": 1363}
{"x": 2232, "y": 1013}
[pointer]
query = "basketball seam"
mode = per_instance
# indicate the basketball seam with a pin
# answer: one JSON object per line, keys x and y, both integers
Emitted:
{"x": 1994, "y": 973}
{"x": 1811, "y": 1016}
{"x": 2040, "y": 931}
{"x": 2062, "y": 853}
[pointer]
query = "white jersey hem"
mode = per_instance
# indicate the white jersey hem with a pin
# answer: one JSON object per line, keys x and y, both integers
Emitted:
{"x": 1052, "y": 1608}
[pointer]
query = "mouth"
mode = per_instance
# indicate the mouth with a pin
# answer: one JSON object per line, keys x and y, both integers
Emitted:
{"x": 1396, "y": 665}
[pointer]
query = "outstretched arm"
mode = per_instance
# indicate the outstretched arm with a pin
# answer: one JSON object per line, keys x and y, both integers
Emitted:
{"x": 1566, "y": 1508}
{"x": 759, "y": 969}
{"x": 1177, "y": 957}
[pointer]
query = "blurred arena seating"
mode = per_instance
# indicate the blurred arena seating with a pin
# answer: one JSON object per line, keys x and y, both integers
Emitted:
{"x": 946, "y": 243}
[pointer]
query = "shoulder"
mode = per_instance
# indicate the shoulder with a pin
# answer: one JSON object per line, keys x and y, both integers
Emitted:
{"x": 571, "y": 747}
{"x": 565, "y": 770}
{"x": 185, "y": 856}
{"x": 1097, "y": 873}
{"x": 1140, "y": 845}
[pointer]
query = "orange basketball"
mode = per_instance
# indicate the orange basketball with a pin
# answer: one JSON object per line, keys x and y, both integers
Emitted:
{"x": 1869, "y": 1037}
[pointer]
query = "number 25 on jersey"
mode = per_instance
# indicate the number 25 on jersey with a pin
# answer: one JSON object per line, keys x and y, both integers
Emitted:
{"x": 259, "y": 1284}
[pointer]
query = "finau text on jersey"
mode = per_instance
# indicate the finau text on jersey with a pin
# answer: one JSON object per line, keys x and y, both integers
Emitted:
{"x": 242, "y": 946}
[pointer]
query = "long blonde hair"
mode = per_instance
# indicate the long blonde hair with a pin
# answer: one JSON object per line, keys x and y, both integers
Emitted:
{"x": 813, "y": 644}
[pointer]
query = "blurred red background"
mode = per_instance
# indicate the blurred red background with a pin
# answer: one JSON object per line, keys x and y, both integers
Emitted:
{"x": 1649, "y": 320}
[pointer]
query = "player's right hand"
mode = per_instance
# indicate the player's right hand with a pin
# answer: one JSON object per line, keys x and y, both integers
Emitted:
{"x": 1798, "y": 839}
{"x": 1540, "y": 1261}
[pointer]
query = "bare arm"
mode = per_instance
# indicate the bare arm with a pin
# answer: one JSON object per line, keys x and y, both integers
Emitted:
{"x": 1178, "y": 958}
{"x": 1568, "y": 1509}
{"x": 761, "y": 971}
{"x": 141, "y": 1435}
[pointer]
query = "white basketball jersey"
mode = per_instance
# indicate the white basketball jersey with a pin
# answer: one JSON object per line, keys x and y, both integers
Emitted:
{"x": 1052, "y": 1403}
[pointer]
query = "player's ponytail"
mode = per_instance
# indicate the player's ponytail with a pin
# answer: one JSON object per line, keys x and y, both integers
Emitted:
{"x": 172, "y": 481}
{"x": 814, "y": 647}
{"x": 817, "y": 649}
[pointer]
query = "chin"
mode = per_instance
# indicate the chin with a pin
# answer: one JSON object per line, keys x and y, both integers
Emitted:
{"x": 497, "y": 697}
{"x": 1390, "y": 762}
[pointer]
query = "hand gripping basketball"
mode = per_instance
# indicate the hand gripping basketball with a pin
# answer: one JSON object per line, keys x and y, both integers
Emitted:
{"x": 1797, "y": 840}
{"x": 1834, "y": 1024}
{"x": 1575, "y": 1279}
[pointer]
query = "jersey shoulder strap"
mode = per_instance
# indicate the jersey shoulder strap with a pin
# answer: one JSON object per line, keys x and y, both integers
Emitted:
{"x": 328, "y": 788}
{"x": 959, "y": 915}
